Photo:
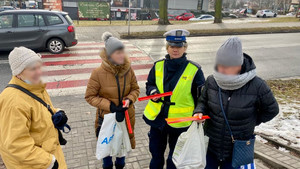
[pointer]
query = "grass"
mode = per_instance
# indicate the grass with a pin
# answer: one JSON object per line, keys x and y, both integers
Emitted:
{"x": 287, "y": 91}
{"x": 283, "y": 19}
{"x": 123, "y": 23}
{"x": 214, "y": 32}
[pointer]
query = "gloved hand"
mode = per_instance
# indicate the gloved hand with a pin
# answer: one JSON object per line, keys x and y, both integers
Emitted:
{"x": 55, "y": 165}
{"x": 119, "y": 110}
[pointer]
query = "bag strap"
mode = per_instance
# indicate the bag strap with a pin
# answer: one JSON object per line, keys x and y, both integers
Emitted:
{"x": 224, "y": 114}
{"x": 31, "y": 95}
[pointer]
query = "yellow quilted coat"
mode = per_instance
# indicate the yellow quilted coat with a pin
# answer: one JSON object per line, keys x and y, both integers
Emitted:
{"x": 28, "y": 138}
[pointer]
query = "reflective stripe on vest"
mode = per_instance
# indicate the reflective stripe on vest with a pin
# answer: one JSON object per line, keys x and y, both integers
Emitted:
{"x": 182, "y": 95}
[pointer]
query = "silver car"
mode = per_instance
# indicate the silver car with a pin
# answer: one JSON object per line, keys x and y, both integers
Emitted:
{"x": 36, "y": 29}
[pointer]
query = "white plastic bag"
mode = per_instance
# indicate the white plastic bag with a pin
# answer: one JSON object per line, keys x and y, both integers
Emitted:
{"x": 113, "y": 139}
{"x": 125, "y": 147}
{"x": 190, "y": 149}
{"x": 106, "y": 136}
{"x": 120, "y": 144}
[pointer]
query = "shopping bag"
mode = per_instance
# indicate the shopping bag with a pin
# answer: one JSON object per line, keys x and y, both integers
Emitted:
{"x": 117, "y": 140}
{"x": 248, "y": 166}
{"x": 106, "y": 136}
{"x": 120, "y": 145}
{"x": 190, "y": 149}
{"x": 125, "y": 146}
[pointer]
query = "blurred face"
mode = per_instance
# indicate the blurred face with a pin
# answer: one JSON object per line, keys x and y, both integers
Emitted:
{"x": 32, "y": 73}
{"x": 229, "y": 70}
{"x": 176, "y": 52}
{"x": 118, "y": 57}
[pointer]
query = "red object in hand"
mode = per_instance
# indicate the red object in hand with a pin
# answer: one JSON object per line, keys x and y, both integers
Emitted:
{"x": 155, "y": 96}
{"x": 128, "y": 120}
{"x": 184, "y": 119}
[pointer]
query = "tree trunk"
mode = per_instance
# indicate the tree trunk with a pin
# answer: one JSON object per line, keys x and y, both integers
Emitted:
{"x": 163, "y": 12}
{"x": 218, "y": 11}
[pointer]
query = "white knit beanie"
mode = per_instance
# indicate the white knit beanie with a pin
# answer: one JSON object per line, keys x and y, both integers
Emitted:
{"x": 20, "y": 58}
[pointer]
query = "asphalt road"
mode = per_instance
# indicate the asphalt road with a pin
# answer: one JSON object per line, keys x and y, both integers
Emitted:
{"x": 275, "y": 55}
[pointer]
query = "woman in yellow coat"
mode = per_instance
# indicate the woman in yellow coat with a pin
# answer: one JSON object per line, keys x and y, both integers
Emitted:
{"x": 28, "y": 138}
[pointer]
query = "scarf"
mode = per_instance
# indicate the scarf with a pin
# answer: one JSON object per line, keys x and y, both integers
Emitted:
{"x": 233, "y": 82}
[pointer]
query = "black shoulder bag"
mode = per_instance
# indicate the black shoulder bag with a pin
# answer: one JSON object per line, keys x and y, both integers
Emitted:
{"x": 243, "y": 150}
{"x": 59, "y": 119}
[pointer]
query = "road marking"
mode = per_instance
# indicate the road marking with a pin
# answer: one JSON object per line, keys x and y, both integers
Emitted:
{"x": 68, "y": 73}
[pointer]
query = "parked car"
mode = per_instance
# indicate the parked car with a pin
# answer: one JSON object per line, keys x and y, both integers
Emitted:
{"x": 170, "y": 17}
{"x": 265, "y": 13}
{"x": 36, "y": 29}
{"x": 32, "y": 5}
{"x": 5, "y": 8}
{"x": 185, "y": 16}
{"x": 203, "y": 18}
{"x": 232, "y": 16}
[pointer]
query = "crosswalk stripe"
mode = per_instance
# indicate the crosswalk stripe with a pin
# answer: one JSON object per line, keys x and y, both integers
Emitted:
{"x": 70, "y": 54}
{"x": 87, "y": 61}
{"x": 83, "y": 82}
{"x": 87, "y": 70}
{"x": 81, "y": 76}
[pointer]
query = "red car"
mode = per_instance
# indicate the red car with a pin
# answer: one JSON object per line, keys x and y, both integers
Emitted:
{"x": 185, "y": 16}
{"x": 170, "y": 17}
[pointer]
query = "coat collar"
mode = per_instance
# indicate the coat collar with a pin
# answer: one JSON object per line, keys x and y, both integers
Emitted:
{"x": 120, "y": 70}
{"x": 32, "y": 88}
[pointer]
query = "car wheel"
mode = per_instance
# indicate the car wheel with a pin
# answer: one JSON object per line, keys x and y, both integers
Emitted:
{"x": 275, "y": 15}
{"x": 257, "y": 16}
{"x": 55, "y": 46}
{"x": 264, "y": 16}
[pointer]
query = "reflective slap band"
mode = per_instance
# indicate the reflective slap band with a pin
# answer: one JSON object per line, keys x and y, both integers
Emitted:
{"x": 175, "y": 38}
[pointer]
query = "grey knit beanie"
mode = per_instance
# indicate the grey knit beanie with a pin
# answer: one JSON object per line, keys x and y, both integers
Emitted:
{"x": 20, "y": 58}
{"x": 111, "y": 43}
{"x": 230, "y": 53}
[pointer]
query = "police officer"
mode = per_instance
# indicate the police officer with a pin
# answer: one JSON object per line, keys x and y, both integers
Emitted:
{"x": 178, "y": 74}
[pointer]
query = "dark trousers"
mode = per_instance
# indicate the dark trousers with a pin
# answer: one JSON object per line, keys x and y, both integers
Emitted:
{"x": 158, "y": 140}
{"x": 213, "y": 163}
{"x": 108, "y": 163}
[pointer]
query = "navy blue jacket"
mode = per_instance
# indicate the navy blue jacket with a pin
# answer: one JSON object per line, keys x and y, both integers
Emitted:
{"x": 173, "y": 70}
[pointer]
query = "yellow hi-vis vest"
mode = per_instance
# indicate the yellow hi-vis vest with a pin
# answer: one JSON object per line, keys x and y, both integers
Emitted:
{"x": 182, "y": 95}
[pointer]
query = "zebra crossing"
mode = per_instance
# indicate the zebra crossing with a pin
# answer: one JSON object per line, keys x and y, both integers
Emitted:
{"x": 68, "y": 73}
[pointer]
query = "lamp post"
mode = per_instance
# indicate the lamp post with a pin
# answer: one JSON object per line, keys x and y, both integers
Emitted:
{"x": 129, "y": 17}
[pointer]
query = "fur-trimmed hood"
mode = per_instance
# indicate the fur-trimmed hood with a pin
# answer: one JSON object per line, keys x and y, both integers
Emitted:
{"x": 120, "y": 70}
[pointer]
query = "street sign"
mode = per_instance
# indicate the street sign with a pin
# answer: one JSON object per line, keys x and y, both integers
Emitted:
{"x": 94, "y": 10}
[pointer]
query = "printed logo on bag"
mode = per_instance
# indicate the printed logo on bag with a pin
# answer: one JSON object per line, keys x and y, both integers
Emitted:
{"x": 107, "y": 140}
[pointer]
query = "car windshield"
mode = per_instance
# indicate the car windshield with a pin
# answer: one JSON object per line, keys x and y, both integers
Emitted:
{"x": 68, "y": 18}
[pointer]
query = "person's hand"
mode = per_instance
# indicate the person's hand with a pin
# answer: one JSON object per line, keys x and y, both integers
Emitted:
{"x": 200, "y": 116}
{"x": 155, "y": 99}
{"x": 126, "y": 103}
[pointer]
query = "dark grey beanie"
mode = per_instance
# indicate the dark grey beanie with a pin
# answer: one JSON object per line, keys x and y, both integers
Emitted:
{"x": 230, "y": 53}
{"x": 111, "y": 43}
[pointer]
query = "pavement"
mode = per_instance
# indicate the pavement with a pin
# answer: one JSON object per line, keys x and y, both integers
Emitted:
{"x": 81, "y": 147}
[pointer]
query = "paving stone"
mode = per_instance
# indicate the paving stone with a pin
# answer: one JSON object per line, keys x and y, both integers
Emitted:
{"x": 81, "y": 147}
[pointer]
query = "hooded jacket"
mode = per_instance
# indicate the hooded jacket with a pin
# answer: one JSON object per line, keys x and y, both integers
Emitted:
{"x": 102, "y": 89}
{"x": 249, "y": 106}
{"x": 28, "y": 138}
